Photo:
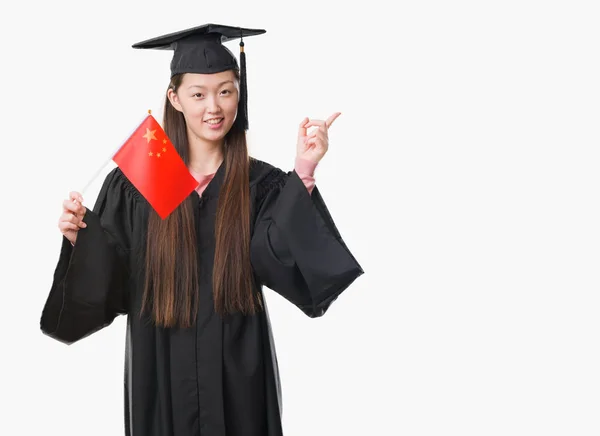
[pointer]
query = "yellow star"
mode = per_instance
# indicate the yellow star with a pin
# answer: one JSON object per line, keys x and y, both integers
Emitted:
{"x": 157, "y": 154}
{"x": 150, "y": 154}
{"x": 164, "y": 141}
{"x": 149, "y": 134}
{"x": 164, "y": 150}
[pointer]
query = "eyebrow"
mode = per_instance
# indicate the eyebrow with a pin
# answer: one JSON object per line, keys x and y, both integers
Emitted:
{"x": 218, "y": 86}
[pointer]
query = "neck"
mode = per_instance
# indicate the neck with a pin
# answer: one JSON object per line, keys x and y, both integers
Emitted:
{"x": 205, "y": 156}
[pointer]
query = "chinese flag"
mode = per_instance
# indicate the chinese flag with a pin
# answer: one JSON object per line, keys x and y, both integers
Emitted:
{"x": 151, "y": 163}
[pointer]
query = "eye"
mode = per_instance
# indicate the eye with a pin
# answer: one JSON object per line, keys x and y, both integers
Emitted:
{"x": 198, "y": 95}
{"x": 226, "y": 91}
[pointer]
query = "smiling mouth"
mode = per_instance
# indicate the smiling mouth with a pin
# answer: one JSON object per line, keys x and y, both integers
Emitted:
{"x": 214, "y": 121}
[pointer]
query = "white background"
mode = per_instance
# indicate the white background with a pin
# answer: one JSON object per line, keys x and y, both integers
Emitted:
{"x": 463, "y": 174}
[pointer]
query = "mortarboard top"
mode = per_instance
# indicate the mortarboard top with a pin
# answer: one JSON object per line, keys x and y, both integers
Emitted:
{"x": 200, "y": 50}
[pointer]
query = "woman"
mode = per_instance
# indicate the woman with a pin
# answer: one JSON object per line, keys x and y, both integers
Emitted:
{"x": 200, "y": 359}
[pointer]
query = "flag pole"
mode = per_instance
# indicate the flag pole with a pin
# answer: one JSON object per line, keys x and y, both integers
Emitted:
{"x": 97, "y": 173}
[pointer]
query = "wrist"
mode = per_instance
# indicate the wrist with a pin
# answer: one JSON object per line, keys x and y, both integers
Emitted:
{"x": 305, "y": 166}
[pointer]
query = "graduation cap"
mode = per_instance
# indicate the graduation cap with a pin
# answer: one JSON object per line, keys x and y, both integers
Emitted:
{"x": 201, "y": 50}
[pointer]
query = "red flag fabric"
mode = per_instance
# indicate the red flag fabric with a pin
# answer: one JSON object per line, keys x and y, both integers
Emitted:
{"x": 151, "y": 163}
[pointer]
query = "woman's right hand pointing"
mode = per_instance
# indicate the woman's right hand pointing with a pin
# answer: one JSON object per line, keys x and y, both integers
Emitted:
{"x": 71, "y": 219}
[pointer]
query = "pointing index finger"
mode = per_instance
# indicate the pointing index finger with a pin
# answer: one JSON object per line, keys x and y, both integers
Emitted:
{"x": 332, "y": 118}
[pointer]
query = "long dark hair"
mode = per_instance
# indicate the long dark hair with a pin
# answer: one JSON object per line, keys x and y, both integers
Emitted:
{"x": 172, "y": 283}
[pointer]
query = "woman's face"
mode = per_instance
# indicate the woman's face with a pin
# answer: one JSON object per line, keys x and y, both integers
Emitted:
{"x": 208, "y": 102}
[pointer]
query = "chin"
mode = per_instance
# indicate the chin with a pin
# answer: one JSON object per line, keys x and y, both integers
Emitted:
{"x": 214, "y": 136}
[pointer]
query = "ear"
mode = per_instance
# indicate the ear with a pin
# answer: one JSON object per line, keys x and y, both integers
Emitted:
{"x": 174, "y": 99}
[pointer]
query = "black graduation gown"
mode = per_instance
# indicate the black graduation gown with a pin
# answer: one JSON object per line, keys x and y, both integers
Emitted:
{"x": 220, "y": 377}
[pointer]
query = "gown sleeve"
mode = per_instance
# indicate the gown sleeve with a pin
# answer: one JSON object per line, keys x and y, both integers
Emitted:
{"x": 296, "y": 248}
{"x": 89, "y": 287}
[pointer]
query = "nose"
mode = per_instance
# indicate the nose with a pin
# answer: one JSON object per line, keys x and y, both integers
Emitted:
{"x": 212, "y": 105}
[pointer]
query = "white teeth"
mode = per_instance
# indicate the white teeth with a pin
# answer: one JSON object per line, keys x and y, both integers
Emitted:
{"x": 214, "y": 121}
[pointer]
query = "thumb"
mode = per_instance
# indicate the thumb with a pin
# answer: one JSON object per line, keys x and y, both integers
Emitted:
{"x": 302, "y": 128}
